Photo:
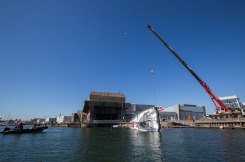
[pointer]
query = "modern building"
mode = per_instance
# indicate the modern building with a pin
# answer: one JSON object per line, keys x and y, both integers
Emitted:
{"x": 103, "y": 108}
{"x": 50, "y": 120}
{"x": 243, "y": 104}
{"x": 38, "y": 121}
{"x": 63, "y": 119}
{"x": 183, "y": 112}
{"x": 234, "y": 103}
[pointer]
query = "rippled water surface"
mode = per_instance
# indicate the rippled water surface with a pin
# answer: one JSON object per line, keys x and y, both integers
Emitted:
{"x": 124, "y": 144}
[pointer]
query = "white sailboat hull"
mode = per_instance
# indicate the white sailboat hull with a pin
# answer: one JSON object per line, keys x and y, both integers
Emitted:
{"x": 147, "y": 120}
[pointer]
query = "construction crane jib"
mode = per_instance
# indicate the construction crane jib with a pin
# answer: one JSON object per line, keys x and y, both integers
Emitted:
{"x": 214, "y": 98}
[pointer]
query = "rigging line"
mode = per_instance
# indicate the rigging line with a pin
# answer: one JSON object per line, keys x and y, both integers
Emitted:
{"x": 154, "y": 86}
{"x": 151, "y": 54}
{"x": 153, "y": 80}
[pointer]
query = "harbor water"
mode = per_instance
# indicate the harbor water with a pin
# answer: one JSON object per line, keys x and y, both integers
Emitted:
{"x": 124, "y": 144}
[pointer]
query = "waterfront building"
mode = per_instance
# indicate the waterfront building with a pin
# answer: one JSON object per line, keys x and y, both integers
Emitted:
{"x": 50, "y": 120}
{"x": 79, "y": 117}
{"x": 183, "y": 112}
{"x": 34, "y": 120}
{"x": 63, "y": 119}
{"x": 75, "y": 118}
{"x": 37, "y": 121}
{"x": 243, "y": 105}
{"x": 103, "y": 108}
{"x": 40, "y": 121}
{"x": 234, "y": 103}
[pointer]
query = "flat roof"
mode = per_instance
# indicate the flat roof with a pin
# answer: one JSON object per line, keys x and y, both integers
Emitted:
{"x": 119, "y": 94}
{"x": 228, "y": 97}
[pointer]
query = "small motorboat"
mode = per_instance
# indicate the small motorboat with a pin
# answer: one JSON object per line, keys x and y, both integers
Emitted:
{"x": 20, "y": 131}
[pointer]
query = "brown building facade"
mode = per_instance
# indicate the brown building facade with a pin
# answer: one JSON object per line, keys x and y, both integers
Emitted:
{"x": 104, "y": 108}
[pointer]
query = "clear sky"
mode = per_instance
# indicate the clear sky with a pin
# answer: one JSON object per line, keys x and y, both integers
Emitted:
{"x": 53, "y": 53}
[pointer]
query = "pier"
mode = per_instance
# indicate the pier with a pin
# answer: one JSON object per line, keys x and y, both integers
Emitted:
{"x": 226, "y": 123}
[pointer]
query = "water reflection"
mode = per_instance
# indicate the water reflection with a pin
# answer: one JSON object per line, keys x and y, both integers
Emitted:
{"x": 124, "y": 144}
{"x": 145, "y": 145}
{"x": 119, "y": 144}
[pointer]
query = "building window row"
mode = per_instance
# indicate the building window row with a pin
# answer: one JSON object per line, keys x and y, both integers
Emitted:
{"x": 229, "y": 101}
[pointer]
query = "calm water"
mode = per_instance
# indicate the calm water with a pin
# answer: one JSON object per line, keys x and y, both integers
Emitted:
{"x": 124, "y": 144}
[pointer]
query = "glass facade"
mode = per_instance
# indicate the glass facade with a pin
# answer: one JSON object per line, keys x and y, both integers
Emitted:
{"x": 232, "y": 103}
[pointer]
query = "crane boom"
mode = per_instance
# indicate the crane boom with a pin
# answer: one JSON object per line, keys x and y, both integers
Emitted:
{"x": 203, "y": 84}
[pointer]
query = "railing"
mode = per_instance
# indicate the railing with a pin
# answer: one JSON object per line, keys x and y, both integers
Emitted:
{"x": 105, "y": 121}
{"x": 242, "y": 119}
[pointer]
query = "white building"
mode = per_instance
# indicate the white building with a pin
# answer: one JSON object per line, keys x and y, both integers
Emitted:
{"x": 50, "y": 120}
{"x": 40, "y": 121}
{"x": 234, "y": 103}
{"x": 243, "y": 104}
{"x": 63, "y": 119}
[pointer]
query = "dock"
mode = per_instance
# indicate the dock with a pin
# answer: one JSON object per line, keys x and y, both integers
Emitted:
{"x": 228, "y": 123}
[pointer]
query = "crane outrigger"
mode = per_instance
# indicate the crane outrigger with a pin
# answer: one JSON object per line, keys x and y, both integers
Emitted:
{"x": 214, "y": 98}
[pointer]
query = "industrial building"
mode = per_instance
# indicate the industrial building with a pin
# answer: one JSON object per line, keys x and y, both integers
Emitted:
{"x": 79, "y": 117}
{"x": 183, "y": 112}
{"x": 105, "y": 108}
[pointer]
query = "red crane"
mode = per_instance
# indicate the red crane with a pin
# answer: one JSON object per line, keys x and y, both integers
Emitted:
{"x": 214, "y": 99}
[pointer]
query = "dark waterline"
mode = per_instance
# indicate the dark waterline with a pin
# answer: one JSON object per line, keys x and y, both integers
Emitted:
{"x": 124, "y": 144}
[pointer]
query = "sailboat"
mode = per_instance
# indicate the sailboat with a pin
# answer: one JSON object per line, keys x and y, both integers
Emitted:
{"x": 147, "y": 120}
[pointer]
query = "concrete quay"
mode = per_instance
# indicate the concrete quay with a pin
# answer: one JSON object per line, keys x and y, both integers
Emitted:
{"x": 228, "y": 123}
{"x": 232, "y": 123}
{"x": 76, "y": 125}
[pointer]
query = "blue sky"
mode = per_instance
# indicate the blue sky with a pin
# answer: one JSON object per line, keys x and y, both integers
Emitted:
{"x": 53, "y": 53}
